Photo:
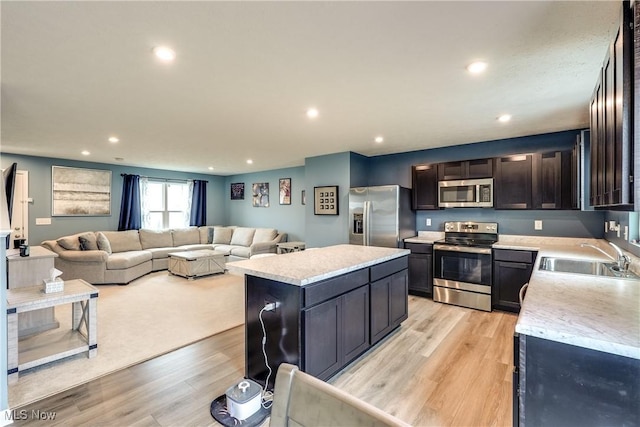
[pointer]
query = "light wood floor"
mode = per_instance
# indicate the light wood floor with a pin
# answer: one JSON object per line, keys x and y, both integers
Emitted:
{"x": 446, "y": 366}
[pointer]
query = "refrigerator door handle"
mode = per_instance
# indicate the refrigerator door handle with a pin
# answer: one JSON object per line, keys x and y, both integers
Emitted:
{"x": 365, "y": 218}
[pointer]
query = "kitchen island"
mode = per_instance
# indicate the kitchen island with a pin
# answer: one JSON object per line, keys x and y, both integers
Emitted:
{"x": 331, "y": 305}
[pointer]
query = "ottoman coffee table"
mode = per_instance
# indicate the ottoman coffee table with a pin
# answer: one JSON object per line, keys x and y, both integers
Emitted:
{"x": 191, "y": 264}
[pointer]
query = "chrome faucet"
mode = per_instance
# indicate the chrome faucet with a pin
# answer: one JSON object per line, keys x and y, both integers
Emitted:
{"x": 589, "y": 245}
{"x": 623, "y": 260}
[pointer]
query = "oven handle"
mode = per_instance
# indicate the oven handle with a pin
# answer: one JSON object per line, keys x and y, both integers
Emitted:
{"x": 468, "y": 249}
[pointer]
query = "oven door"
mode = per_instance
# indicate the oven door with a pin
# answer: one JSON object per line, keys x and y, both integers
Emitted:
{"x": 462, "y": 267}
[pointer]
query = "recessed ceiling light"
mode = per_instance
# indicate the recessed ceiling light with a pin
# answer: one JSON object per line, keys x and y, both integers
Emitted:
{"x": 113, "y": 139}
{"x": 504, "y": 118}
{"x": 312, "y": 113}
{"x": 379, "y": 139}
{"x": 210, "y": 168}
{"x": 164, "y": 53}
{"x": 249, "y": 161}
{"x": 85, "y": 153}
{"x": 477, "y": 67}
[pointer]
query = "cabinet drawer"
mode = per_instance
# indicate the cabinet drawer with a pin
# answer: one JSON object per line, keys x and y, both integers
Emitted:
{"x": 514, "y": 255}
{"x": 419, "y": 248}
{"x": 388, "y": 268}
{"x": 330, "y": 288}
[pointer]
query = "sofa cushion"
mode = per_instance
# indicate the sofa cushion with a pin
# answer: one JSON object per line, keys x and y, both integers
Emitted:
{"x": 70, "y": 243}
{"x": 88, "y": 241}
{"x": 158, "y": 253}
{"x": 103, "y": 242}
{"x": 241, "y": 251}
{"x": 264, "y": 235}
{"x": 155, "y": 238}
{"x": 206, "y": 234}
{"x": 127, "y": 259}
{"x": 222, "y": 235}
{"x": 186, "y": 236}
{"x": 226, "y": 249}
{"x": 243, "y": 236}
{"x": 123, "y": 241}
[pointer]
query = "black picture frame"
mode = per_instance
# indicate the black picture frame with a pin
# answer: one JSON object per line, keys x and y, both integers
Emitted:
{"x": 284, "y": 190}
{"x": 237, "y": 191}
{"x": 326, "y": 200}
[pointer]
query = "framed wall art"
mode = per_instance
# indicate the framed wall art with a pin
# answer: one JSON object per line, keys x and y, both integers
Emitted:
{"x": 237, "y": 191}
{"x": 325, "y": 201}
{"x": 303, "y": 197}
{"x": 285, "y": 191}
{"x": 260, "y": 194}
{"x": 80, "y": 192}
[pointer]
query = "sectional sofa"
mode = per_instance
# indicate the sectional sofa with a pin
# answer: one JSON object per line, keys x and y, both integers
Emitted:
{"x": 119, "y": 257}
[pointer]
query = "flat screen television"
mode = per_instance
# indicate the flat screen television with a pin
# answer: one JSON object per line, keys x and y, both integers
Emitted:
{"x": 9, "y": 179}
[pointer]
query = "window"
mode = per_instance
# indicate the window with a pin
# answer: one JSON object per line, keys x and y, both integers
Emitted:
{"x": 165, "y": 204}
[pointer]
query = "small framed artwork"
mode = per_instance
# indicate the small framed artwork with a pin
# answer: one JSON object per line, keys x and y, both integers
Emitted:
{"x": 285, "y": 191}
{"x": 303, "y": 197}
{"x": 237, "y": 191}
{"x": 325, "y": 201}
{"x": 260, "y": 194}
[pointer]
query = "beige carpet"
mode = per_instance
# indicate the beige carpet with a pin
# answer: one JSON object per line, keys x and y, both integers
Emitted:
{"x": 149, "y": 317}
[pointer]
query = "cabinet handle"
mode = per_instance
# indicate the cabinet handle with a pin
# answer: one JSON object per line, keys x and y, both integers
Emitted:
{"x": 523, "y": 291}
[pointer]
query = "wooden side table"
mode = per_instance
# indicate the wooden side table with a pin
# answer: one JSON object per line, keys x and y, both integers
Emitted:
{"x": 31, "y": 271}
{"x": 285, "y": 248}
{"x": 61, "y": 344}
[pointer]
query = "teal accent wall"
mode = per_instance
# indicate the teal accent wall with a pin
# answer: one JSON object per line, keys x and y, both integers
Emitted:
{"x": 39, "y": 169}
{"x": 359, "y": 170}
{"x": 286, "y": 218}
{"x": 332, "y": 169}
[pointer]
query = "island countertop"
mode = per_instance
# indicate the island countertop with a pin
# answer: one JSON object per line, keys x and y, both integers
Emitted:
{"x": 313, "y": 265}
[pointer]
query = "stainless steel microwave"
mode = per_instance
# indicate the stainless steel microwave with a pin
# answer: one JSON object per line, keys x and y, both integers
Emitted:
{"x": 466, "y": 193}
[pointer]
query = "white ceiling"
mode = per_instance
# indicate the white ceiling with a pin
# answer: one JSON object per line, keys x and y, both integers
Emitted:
{"x": 75, "y": 73}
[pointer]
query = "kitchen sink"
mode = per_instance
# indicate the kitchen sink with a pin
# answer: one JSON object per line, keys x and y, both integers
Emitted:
{"x": 580, "y": 266}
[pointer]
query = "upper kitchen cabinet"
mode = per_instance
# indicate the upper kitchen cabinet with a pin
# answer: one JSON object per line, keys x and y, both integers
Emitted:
{"x": 425, "y": 186}
{"x": 555, "y": 180}
{"x": 612, "y": 126}
{"x": 512, "y": 182}
{"x": 466, "y": 169}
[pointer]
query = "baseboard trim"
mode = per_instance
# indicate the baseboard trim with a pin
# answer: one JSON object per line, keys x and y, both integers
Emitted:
{"x": 6, "y": 418}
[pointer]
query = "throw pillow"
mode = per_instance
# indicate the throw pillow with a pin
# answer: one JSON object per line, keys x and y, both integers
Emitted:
{"x": 210, "y": 237}
{"x": 70, "y": 243}
{"x": 103, "y": 242}
{"x": 88, "y": 242}
{"x": 243, "y": 236}
{"x": 222, "y": 235}
{"x": 264, "y": 235}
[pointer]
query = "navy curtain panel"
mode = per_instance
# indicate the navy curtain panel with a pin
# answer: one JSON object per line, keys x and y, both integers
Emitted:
{"x": 130, "y": 211}
{"x": 199, "y": 203}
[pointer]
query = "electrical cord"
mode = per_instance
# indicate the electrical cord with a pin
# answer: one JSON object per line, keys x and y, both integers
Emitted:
{"x": 267, "y": 396}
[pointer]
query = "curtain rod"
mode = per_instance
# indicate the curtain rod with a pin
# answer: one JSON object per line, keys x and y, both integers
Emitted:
{"x": 162, "y": 179}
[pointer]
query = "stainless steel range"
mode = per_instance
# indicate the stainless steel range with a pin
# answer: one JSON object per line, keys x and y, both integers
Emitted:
{"x": 462, "y": 273}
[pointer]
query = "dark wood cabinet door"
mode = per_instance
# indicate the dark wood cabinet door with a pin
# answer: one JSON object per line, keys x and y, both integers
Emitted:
{"x": 508, "y": 278}
{"x": 355, "y": 321}
{"x": 513, "y": 182}
{"x": 398, "y": 302}
{"x": 425, "y": 186}
{"x": 420, "y": 274}
{"x": 380, "y": 316}
{"x": 596, "y": 140}
{"x": 323, "y": 339}
{"x": 547, "y": 183}
{"x": 465, "y": 169}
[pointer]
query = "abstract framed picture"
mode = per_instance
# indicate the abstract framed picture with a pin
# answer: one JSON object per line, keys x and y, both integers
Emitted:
{"x": 285, "y": 191}
{"x": 237, "y": 191}
{"x": 80, "y": 192}
{"x": 260, "y": 196}
{"x": 325, "y": 200}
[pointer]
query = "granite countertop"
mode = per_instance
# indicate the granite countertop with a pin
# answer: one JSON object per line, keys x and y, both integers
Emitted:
{"x": 312, "y": 265}
{"x": 427, "y": 237}
{"x": 599, "y": 313}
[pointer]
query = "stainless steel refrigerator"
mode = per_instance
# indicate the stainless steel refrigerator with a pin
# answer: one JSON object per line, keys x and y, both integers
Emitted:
{"x": 380, "y": 216}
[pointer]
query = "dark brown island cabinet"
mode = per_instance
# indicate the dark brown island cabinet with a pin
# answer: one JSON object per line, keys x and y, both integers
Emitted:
{"x": 323, "y": 326}
{"x": 612, "y": 118}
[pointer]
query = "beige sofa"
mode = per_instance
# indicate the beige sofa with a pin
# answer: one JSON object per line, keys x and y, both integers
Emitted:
{"x": 121, "y": 256}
